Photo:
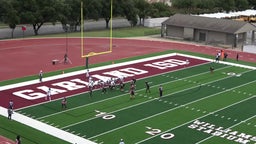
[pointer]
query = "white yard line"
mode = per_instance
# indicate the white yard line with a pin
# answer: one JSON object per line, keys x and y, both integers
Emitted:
{"x": 196, "y": 119}
{"x": 123, "y": 94}
{"x": 228, "y": 128}
{"x": 114, "y": 97}
{"x": 143, "y": 102}
{"x": 221, "y": 62}
{"x": 173, "y": 109}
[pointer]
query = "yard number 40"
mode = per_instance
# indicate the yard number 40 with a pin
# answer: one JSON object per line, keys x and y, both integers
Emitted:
{"x": 153, "y": 132}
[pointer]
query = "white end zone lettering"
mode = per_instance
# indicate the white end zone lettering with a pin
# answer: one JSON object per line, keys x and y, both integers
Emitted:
{"x": 166, "y": 64}
{"x": 134, "y": 71}
{"x": 35, "y": 94}
{"x": 118, "y": 73}
{"x": 54, "y": 91}
{"x": 80, "y": 81}
{"x": 32, "y": 95}
{"x": 69, "y": 85}
{"x": 29, "y": 94}
{"x": 100, "y": 77}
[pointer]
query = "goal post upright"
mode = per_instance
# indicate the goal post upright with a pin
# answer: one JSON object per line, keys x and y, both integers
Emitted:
{"x": 82, "y": 29}
{"x": 111, "y": 24}
{"x": 83, "y": 55}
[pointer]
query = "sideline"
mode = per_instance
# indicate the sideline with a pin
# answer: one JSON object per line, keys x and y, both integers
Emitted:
{"x": 61, "y": 134}
{"x": 221, "y": 62}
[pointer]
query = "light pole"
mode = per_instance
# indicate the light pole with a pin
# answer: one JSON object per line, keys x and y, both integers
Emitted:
{"x": 66, "y": 59}
{"x": 66, "y": 30}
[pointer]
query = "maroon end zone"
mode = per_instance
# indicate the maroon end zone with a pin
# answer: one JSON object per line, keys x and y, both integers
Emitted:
{"x": 77, "y": 84}
{"x": 4, "y": 140}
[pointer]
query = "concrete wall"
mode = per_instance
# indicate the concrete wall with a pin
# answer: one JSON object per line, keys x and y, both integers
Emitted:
{"x": 154, "y": 22}
{"x": 249, "y": 48}
{"x": 230, "y": 39}
{"x": 188, "y": 33}
{"x": 197, "y": 35}
{"x": 217, "y": 37}
{"x": 174, "y": 31}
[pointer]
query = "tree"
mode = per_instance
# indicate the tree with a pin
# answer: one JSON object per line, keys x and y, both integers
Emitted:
{"x": 143, "y": 8}
{"x": 106, "y": 10}
{"x": 241, "y": 4}
{"x": 227, "y": 6}
{"x": 205, "y": 4}
{"x": 12, "y": 20}
{"x": 129, "y": 11}
{"x": 70, "y": 14}
{"x": 160, "y": 9}
{"x": 93, "y": 9}
{"x": 9, "y": 14}
{"x": 252, "y": 3}
{"x": 3, "y": 9}
{"x": 38, "y": 12}
{"x": 184, "y": 4}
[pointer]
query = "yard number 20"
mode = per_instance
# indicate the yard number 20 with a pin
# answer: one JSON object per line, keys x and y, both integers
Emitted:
{"x": 153, "y": 132}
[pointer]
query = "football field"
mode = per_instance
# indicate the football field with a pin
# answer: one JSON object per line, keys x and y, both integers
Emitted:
{"x": 197, "y": 106}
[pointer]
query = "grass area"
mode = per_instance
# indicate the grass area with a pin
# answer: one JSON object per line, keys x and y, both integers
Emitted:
{"x": 29, "y": 135}
{"x": 118, "y": 32}
{"x": 2, "y": 25}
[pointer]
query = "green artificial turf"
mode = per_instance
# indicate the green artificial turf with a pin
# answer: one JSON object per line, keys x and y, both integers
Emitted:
{"x": 207, "y": 92}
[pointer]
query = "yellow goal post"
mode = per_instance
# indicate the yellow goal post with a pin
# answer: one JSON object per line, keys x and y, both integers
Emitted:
{"x": 89, "y": 54}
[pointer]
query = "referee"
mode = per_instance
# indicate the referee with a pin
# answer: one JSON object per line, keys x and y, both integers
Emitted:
{"x": 147, "y": 87}
{"x": 160, "y": 91}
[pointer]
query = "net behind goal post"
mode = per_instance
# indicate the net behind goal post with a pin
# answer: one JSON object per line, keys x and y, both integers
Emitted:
{"x": 90, "y": 52}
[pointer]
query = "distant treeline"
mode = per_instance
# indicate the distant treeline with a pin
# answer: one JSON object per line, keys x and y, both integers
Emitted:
{"x": 68, "y": 12}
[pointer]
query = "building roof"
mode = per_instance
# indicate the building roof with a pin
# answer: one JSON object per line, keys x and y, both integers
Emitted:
{"x": 213, "y": 24}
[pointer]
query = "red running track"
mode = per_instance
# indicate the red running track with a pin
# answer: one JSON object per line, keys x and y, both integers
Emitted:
{"x": 24, "y": 57}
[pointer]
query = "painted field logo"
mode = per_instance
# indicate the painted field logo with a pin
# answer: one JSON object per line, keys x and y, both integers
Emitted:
{"x": 70, "y": 84}
{"x": 65, "y": 86}
{"x": 226, "y": 133}
{"x": 77, "y": 84}
{"x": 233, "y": 74}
